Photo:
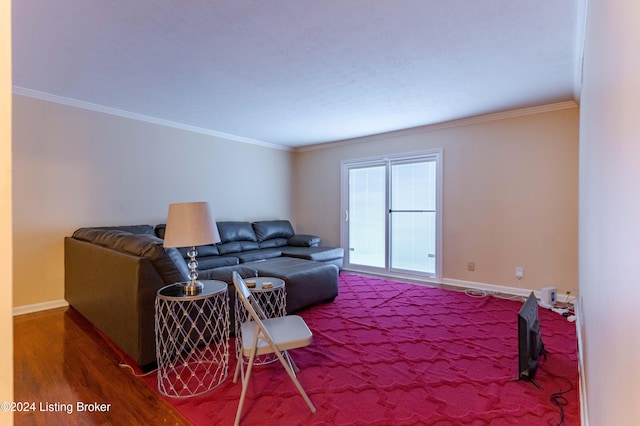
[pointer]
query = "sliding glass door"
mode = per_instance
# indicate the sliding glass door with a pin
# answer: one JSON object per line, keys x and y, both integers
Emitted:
{"x": 366, "y": 216}
{"x": 413, "y": 216}
{"x": 392, "y": 214}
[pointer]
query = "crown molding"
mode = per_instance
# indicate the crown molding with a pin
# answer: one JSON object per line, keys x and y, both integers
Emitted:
{"x": 444, "y": 125}
{"x": 581, "y": 28}
{"x": 140, "y": 117}
{"x": 18, "y": 90}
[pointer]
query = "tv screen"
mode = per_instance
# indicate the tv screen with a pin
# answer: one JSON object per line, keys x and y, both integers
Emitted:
{"x": 530, "y": 345}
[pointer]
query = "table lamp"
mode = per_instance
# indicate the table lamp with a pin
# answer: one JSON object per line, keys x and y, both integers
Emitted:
{"x": 190, "y": 225}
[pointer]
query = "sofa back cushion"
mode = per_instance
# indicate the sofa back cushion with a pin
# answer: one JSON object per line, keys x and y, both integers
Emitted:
{"x": 236, "y": 237}
{"x": 134, "y": 229}
{"x": 208, "y": 250}
{"x": 270, "y": 229}
{"x": 168, "y": 262}
{"x": 236, "y": 231}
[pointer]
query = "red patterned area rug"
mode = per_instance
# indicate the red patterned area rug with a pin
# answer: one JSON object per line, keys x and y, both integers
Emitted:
{"x": 389, "y": 353}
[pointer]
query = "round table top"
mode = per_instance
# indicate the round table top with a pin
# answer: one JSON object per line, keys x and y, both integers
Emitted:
{"x": 175, "y": 291}
{"x": 276, "y": 283}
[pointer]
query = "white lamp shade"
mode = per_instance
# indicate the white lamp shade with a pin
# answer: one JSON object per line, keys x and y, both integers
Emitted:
{"x": 189, "y": 225}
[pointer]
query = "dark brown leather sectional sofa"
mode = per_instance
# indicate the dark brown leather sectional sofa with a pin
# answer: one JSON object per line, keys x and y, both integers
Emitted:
{"x": 112, "y": 274}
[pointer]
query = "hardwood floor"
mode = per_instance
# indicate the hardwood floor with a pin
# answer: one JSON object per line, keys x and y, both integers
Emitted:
{"x": 60, "y": 360}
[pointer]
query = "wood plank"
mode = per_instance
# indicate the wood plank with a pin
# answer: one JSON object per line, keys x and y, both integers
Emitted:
{"x": 61, "y": 360}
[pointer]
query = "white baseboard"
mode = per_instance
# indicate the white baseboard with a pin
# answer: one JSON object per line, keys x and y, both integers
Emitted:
{"x": 581, "y": 368}
{"x": 37, "y": 307}
{"x": 492, "y": 288}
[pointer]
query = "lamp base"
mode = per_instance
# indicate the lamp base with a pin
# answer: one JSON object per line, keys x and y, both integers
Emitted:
{"x": 192, "y": 288}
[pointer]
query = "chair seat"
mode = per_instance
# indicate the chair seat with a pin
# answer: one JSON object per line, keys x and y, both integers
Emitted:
{"x": 289, "y": 332}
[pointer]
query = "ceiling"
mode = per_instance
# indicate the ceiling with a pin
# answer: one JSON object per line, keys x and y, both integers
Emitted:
{"x": 298, "y": 72}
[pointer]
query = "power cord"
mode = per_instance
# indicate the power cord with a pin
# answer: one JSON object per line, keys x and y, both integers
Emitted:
{"x": 478, "y": 294}
{"x": 124, "y": 365}
{"x": 115, "y": 349}
{"x": 558, "y": 399}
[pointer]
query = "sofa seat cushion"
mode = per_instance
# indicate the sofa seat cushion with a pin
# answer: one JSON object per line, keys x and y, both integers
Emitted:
{"x": 211, "y": 262}
{"x": 253, "y": 255}
{"x": 273, "y": 243}
{"x": 319, "y": 254}
{"x": 237, "y": 247}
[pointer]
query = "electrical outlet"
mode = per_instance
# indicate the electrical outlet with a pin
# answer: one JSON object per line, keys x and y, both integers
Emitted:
{"x": 519, "y": 272}
{"x": 471, "y": 266}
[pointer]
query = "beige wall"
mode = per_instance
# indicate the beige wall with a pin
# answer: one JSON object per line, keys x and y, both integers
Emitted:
{"x": 610, "y": 213}
{"x": 75, "y": 167}
{"x": 510, "y": 195}
{"x": 6, "y": 272}
{"x": 510, "y": 188}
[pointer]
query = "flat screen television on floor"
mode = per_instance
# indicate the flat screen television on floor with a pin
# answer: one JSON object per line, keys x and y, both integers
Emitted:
{"x": 530, "y": 345}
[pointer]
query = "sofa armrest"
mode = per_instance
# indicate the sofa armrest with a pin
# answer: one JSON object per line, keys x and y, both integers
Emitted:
{"x": 304, "y": 240}
{"x": 115, "y": 291}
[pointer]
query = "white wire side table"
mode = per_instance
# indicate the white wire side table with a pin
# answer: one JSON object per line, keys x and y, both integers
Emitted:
{"x": 272, "y": 300}
{"x": 192, "y": 339}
